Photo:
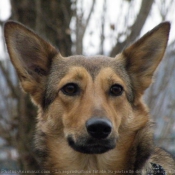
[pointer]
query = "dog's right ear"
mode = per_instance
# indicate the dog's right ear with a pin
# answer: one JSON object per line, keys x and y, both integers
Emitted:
{"x": 31, "y": 56}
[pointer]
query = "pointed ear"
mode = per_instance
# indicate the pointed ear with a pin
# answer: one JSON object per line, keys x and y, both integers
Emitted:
{"x": 142, "y": 58}
{"x": 30, "y": 55}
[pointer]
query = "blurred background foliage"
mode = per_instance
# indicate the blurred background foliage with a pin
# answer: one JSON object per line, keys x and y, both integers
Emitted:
{"x": 87, "y": 27}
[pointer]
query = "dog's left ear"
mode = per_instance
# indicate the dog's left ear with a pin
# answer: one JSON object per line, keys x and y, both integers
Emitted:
{"x": 142, "y": 58}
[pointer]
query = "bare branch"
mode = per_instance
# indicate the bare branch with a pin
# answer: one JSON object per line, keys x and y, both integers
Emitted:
{"x": 102, "y": 28}
{"x": 8, "y": 81}
{"x": 5, "y": 134}
{"x": 89, "y": 16}
{"x": 81, "y": 27}
{"x": 136, "y": 27}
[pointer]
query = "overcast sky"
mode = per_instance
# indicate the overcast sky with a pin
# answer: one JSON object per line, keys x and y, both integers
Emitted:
{"x": 4, "y": 9}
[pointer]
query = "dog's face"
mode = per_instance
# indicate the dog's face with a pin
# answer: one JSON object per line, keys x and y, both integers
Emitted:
{"x": 87, "y": 101}
{"x": 92, "y": 97}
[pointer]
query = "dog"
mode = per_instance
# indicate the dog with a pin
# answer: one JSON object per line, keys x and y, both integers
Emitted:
{"x": 91, "y": 115}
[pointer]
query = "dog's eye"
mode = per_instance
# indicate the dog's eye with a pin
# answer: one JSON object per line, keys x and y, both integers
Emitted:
{"x": 70, "y": 89}
{"x": 116, "y": 90}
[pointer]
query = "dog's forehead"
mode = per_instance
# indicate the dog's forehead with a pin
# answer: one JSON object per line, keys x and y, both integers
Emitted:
{"x": 93, "y": 64}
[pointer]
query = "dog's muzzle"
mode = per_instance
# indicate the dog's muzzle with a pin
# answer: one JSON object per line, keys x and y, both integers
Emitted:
{"x": 98, "y": 139}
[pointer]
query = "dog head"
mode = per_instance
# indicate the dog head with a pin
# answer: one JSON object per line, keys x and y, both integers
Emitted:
{"x": 87, "y": 101}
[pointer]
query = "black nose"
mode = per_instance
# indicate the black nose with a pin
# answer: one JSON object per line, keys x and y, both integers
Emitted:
{"x": 99, "y": 128}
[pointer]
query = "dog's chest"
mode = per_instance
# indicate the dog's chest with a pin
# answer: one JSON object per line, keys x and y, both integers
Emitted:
{"x": 90, "y": 165}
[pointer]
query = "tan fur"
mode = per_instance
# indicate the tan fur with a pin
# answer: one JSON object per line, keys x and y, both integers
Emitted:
{"x": 44, "y": 73}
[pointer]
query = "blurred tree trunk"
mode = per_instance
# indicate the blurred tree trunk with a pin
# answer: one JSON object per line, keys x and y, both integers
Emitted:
{"x": 50, "y": 19}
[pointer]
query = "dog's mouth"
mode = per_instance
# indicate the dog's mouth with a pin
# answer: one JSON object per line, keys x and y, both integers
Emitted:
{"x": 92, "y": 146}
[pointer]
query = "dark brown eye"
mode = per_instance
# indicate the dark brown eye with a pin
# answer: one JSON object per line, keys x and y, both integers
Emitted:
{"x": 116, "y": 90}
{"x": 70, "y": 89}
